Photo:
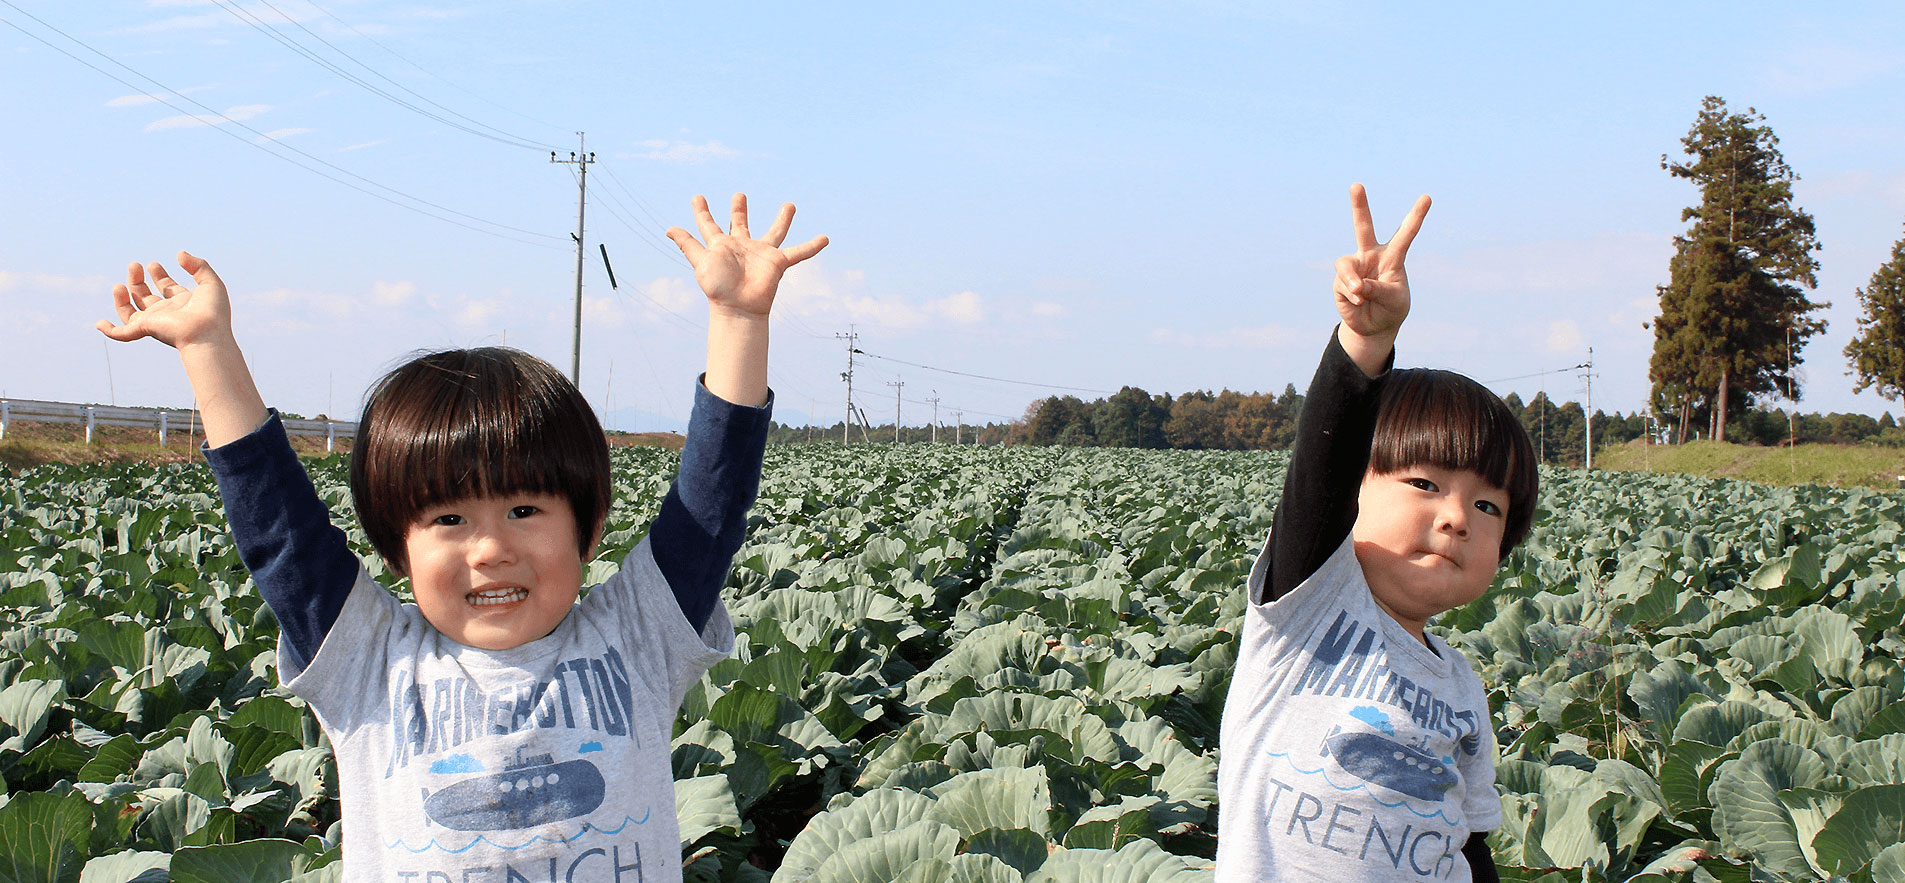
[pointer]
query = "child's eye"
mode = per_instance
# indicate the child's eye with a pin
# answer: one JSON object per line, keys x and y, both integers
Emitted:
{"x": 447, "y": 520}
{"x": 1422, "y": 484}
{"x": 1488, "y": 507}
{"x": 523, "y": 511}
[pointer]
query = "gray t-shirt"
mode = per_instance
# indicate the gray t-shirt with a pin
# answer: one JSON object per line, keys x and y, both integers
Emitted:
{"x": 1351, "y": 751}
{"x": 548, "y": 761}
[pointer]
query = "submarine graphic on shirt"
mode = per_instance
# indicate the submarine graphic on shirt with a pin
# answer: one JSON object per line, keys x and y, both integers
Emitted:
{"x": 530, "y": 791}
{"x": 1398, "y": 766}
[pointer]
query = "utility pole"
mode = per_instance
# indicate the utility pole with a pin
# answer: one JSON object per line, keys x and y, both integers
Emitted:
{"x": 850, "y": 337}
{"x": 897, "y": 386}
{"x": 582, "y": 161}
{"x": 1588, "y": 377}
{"x": 935, "y": 401}
{"x": 958, "y": 423}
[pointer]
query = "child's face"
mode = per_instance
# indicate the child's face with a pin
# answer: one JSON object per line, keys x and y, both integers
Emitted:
{"x": 1429, "y": 539}
{"x": 495, "y": 572}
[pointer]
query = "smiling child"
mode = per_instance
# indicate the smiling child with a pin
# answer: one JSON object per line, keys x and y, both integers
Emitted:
{"x": 498, "y": 728}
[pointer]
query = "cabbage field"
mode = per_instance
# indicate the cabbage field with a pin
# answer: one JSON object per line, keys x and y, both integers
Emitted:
{"x": 962, "y": 664}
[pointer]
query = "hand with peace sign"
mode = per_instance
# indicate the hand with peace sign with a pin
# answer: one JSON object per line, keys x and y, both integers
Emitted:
{"x": 1371, "y": 287}
{"x": 740, "y": 276}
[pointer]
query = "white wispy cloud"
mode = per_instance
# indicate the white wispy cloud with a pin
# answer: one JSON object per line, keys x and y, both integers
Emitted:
{"x": 964, "y": 308}
{"x": 136, "y": 100}
{"x": 276, "y": 134}
{"x": 1045, "y": 309}
{"x": 390, "y": 294}
{"x": 359, "y": 146}
{"x": 191, "y": 121}
{"x": 682, "y": 152}
{"x": 1565, "y": 337}
{"x": 604, "y": 313}
{"x": 672, "y": 294}
{"x": 479, "y": 311}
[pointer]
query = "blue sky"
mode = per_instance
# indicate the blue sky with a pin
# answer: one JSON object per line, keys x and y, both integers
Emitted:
{"x": 1085, "y": 195}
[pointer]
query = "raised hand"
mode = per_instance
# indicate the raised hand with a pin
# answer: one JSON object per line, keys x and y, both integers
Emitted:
{"x": 168, "y": 312}
{"x": 197, "y": 322}
{"x": 740, "y": 274}
{"x": 1372, "y": 288}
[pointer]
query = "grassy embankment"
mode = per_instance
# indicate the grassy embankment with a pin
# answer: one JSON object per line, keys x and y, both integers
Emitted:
{"x": 1836, "y": 465}
{"x": 30, "y": 444}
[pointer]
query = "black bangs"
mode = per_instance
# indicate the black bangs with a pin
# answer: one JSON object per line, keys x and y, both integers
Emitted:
{"x": 1443, "y": 419}
{"x": 465, "y": 423}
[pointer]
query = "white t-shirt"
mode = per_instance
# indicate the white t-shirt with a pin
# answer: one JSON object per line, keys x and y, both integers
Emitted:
{"x": 1351, "y": 751}
{"x": 548, "y": 761}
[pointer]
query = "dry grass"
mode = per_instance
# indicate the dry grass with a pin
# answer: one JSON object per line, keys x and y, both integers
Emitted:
{"x": 1835, "y": 465}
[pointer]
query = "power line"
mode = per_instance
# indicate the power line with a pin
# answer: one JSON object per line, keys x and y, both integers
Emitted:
{"x": 617, "y": 181}
{"x": 964, "y": 410}
{"x": 1537, "y": 374}
{"x": 982, "y": 376}
{"x": 432, "y": 74}
{"x": 260, "y": 144}
{"x": 257, "y": 23}
{"x": 647, "y": 237}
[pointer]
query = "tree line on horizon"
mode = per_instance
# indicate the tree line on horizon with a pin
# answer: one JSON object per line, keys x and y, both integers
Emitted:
{"x": 1237, "y": 421}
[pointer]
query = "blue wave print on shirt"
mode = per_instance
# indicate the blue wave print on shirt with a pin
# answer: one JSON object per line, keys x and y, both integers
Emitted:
{"x": 589, "y": 748}
{"x": 587, "y": 829}
{"x": 1324, "y": 773}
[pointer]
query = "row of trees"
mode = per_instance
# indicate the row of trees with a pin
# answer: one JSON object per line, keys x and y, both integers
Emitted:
{"x": 1228, "y": 420}
{"x": 1735, "y": 311}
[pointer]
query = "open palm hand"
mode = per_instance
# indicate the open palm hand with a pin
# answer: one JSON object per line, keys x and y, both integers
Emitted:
{"x": 738, "y": 273}
{"x": 150, "y": 303}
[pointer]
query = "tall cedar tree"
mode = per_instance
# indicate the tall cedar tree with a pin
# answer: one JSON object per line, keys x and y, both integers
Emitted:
{"x": 1877, "y": 354}
{"x": 1734, "y": 309}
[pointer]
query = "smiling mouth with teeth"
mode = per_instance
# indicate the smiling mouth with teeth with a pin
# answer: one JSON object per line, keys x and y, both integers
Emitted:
{"x": 490, "y": 597}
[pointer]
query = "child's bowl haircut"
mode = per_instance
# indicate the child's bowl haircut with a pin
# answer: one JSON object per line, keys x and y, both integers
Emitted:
{"x": 456, "y": 424}
{"x": 1443, "y": 419}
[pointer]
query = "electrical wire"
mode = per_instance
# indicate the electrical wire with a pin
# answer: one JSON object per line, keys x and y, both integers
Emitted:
{"x": 1536, "y": 374}
{"x": 507, "y": 137}
{"x": 260, "y": 144}
{"x": 432, "y": 74}
{"x": 946, "y": 407}
{"x": 257, "y": 23}
{"x": 611, "y": 204}
{"x": 630, "y": 192}
{"x": 979, "y": 376}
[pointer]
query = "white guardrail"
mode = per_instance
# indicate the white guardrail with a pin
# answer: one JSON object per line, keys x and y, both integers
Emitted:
{"x": 160, "y": 419}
